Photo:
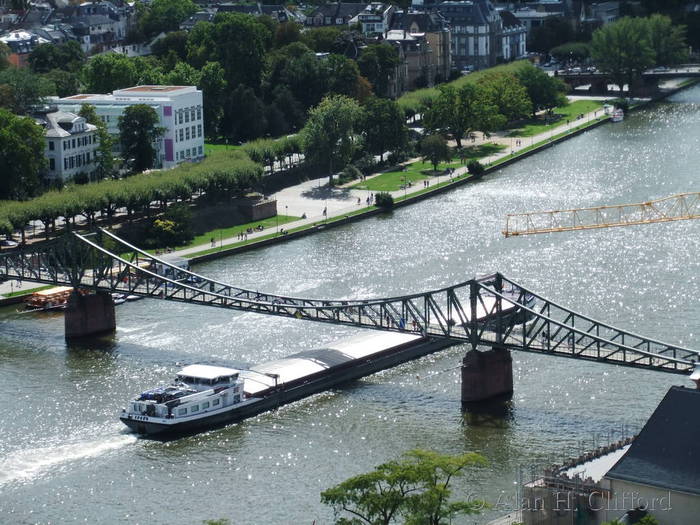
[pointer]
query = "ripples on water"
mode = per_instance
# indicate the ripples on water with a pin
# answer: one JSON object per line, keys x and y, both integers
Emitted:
{"x": 65, "y": 457}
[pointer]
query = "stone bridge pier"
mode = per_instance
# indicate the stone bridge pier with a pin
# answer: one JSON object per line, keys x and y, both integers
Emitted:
{"x": 89, "y": 315}
{"x": 487, "y": 375}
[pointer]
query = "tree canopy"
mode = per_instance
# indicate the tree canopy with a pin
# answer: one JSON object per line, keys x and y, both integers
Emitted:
{"x": 507, "y": 94}
{"x": 21, "y": 155}
{"x": 415, "y": 489}
{"x": 138, "y": 131}
{"x": 377, "y": 63}
{"x": 164, "y": 15}
{"x": 330, "y": 134}
{"x": 545, "y": 92}
{"x": 384, "y": 125}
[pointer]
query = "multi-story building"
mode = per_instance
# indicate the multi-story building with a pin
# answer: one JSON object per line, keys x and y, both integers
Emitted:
{"x": 513, "y": 37}
{"x": 374, "y": 19}
{"x": 70, "y": 145}
{"x": 437, "y": 34}
{"x": 179, "y": 110}
{"x": 475, "y": 26}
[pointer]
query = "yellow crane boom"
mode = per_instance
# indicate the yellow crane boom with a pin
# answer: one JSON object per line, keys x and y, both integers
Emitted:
{"x": 674, "y": 208}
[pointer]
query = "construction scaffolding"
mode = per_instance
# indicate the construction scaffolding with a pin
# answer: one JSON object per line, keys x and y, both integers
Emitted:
{"x": 674, "y": 208}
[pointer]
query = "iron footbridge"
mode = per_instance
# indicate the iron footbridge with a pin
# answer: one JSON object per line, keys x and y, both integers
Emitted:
{"x": 492, "y": 310}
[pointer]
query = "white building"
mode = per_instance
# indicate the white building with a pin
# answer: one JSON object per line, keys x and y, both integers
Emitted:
{"x": 179, "y": 110}
{"x": 70, "y": 145}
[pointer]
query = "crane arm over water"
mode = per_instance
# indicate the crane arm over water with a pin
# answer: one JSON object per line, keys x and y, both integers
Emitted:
{"x": 678, "y": 207}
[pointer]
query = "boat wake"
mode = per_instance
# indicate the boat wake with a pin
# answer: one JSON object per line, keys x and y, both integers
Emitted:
{"x": 28, "y": 464}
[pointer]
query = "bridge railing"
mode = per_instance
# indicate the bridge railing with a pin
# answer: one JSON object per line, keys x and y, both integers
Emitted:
{"x": 547, "y": 327}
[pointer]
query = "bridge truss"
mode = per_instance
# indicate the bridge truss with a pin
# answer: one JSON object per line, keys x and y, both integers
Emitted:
{"x": 493, "y": 310}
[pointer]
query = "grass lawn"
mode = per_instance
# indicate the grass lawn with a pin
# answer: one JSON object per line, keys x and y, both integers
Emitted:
{"x": 209, "y": 148}
{"x": 570, "y": 112}
{"x": 28, "y": 291}
{"x": 420, "y": 170}
{"x": 232, "y": 231}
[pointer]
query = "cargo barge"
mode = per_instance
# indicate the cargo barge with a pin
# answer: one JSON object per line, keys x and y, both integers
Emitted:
{"x": 203, "y": 396}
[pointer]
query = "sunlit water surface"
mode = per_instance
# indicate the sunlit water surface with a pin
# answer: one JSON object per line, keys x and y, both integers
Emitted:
{"x": 66, "y": 458}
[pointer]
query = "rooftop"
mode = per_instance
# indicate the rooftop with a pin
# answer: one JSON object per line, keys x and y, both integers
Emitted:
{"x": 151, "y": 89}
{"x": 207, "y": 371}
{"x": 667, "y": 450}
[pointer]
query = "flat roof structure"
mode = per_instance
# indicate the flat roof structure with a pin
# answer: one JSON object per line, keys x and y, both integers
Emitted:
{"x": 207, "y": 371}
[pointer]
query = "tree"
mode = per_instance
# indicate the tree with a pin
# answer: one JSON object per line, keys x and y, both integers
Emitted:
{"x": 576, "y": 51}
{"x": 622, "y": 50}
{"x": 68, "y": 56}
{"x": 65, "y": 82}
{"x": 162, "y": 16}
{"x": 286, "y": 33}
{"x": 545, "y": 92}
{"x": 175, "y": 42}
{"x": 507, "y": 94}
{"x": 666, "y": 40}
{"x": 214, "y": 87}
{"x": 460, "y": 111}
{"x": 105, "y": 159}
{"x": 183, "y": 74}
{"x": 435, "y": 150}
{"x": 342, "y": 76}
{"x": 138, "y": 130}
{"x": 321, "y": 39}
{"x": 415, "y": 488}
{"x": 244, "y": 115}
{"x": 24, "y": 89}
{"x": 329, "y": 136}
{"x": 21, "y": 155}
{"x": 241, "y": 42}
{"x": 105, "y": 73}
{"x": 377, "y": 64}
{"x": 384, "y": 126}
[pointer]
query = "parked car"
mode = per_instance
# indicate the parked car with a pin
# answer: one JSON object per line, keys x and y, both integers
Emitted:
{"x": 7, "y": 242}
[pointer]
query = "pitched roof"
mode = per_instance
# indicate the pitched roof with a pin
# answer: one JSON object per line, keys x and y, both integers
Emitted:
{"x": 667, "y": 451}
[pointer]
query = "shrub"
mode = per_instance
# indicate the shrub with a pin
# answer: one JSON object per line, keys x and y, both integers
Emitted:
{"x": 621, "y": 103}
{"x": 350, "y": 173}
{"x": 384, "y": 200}
{"x": 475, "y": 168}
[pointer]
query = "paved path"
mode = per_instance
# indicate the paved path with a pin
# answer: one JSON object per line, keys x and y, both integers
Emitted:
{"x": 313, "y": 197}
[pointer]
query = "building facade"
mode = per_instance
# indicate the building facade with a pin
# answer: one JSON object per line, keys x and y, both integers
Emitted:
{"x": 179, "y": 110}
{"x": 71, "y": 144}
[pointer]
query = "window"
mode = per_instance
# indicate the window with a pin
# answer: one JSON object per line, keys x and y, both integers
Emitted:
{"x": 181, "y": 411}
{"x": 65, "y": 145}
{"x": 215, "y": 402}
{"x": 182, "y": 135}
{"x": 73, "y": 144}
{"x": 187, "y": 116}
{"x": 200, "y": 150}
{"x": 71, "y": 162}
{"x": 188, "y": 153}
{"x": 205, "y": 405}
{"x": 199, "y": 112}
{"x": 87, "y": 157}
{"x": 52, "y": 164}
{"x": 194, "y": 408}
{"x": 237, "y": 398}
{"x": 192, "y": 113}
{"x": 199, "y": 130}
{"x": 187, "y": 133}
{"x": 51, "y": 146}
{"x": 65, "y": 164}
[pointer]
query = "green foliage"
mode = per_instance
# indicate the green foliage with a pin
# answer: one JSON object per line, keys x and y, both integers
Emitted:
{"x": 384, "y": 200}
{"x": 384, "y": 125}
{"x": 576, "y": 51}
{"x": 174, "y": 228}
{"x": 20, "y": 89}
{"x": 545, "y": 92}
{"x": 4, "y": 54}
{"x": 623, "y": 50}
{"x": 435, "y": 150}
{"x": 460, "y": 111}
{"x": 475, "y": 168}
{"x": 67, "y": 56}
{"x": 175, "y": 42}
{"x": 648, "y": 520}
{"x": 507, "y": 94}
{"x": 350, "y": 173}
{"x": 164, "y": 15}
{"x": 321, "y": 39}
{"x": 183, "y": 75}
{"x": 105, "y": 159}
{"x": 66, "y": 83}
{"x": 105, "y": 73}
{"x": 667, "y": 41}
{"x": 414, "y": 490}
{"x": 21, "y": 155}
{"x": 377, "y": 63}
{"x": 330, "y": 133}
{"x": 137, "y": 132}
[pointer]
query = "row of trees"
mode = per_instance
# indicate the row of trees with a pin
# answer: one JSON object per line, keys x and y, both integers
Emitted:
{"x": 222, "y": 175}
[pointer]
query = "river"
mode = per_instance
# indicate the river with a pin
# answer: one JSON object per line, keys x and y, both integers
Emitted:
{"x": 66, "y": 458}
